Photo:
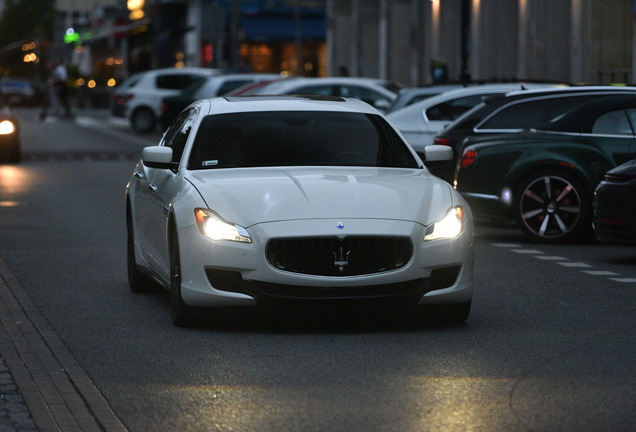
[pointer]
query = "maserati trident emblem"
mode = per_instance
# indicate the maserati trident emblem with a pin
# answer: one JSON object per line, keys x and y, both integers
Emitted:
{"x": 341, "y": 259}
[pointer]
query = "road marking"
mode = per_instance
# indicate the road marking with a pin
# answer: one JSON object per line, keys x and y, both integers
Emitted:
{"x": 565, "y": 262}
{"x": 527, "y": 251}
{"x": 573, "y": 264}
{"x": 507, "y": 245}
{"x": 600, "y": 273}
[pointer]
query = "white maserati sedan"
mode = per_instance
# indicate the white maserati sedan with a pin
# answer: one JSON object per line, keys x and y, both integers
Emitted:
{"x": 293, "y": 200}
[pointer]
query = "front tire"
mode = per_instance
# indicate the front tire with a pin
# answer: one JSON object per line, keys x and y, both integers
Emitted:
{"x": 143, "y": 120}
{"x": 182, "y": 314}
{"x": 553, "y": 207}
{"x": 138, "y": 282}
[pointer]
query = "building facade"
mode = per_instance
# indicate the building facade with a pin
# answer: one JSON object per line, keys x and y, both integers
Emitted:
{"x": 424, "y": 41}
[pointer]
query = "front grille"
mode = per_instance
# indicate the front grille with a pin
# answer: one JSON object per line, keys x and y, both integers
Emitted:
{"x": 330, "y": 256}
{"x": 268, "y": 292}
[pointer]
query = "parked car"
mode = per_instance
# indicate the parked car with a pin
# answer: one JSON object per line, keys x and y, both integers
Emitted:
{"x": 250, "y": 201}
{"x": 17, "y": 91}
{"x": 139, "y": 97}
{"x": 421, "y": 121}
{"x": 515, "y": 112}
{"x": 615, "y": 205}
{"x": 410, "y": 95}
{"x": 10, "y": 150}
{"x": 210, "y": 87}
{"x": 376, "y": 92}
{"x": 545, "y": 178}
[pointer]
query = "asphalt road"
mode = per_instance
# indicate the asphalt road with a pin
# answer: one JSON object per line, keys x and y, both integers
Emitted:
{"x": 549, "y": 345}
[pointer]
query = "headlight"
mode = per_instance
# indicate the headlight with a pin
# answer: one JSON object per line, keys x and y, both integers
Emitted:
{"x": 215, "y": 228}
{"x": 450, "y": 226}
{"x": 6, "y": 127}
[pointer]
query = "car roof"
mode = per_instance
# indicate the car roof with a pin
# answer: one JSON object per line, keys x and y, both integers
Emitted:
{"x": 464, "y": 91}
{"x": 289, "y": 83}
{"x": 226, "y": 105}
{"x": 492, "y": 106}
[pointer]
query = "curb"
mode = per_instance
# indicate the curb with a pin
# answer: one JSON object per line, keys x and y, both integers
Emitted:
{"x": 57, "y": 392}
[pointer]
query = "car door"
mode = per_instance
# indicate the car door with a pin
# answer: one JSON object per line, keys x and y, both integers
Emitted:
{"x": 156, "y": 193}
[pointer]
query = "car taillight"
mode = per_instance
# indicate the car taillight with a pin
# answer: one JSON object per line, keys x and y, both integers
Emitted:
{"x": 441, "y": 141}
{"x": 121, "y": 100}
{"x": 469, "y": 158}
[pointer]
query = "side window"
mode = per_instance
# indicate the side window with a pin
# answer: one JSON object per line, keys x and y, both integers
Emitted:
{"x": 320, "y": 90}
{"x": 230, "y": 85}
{"x": 176, "y": 81}
{"x": 631, "y": 113}
{"x": 613, "y": 123}
{"x": 521, "y": 115}
{"x": 177, "y": 134}
{"x": 452, "y": 109}
{"x": 367, "y": 95}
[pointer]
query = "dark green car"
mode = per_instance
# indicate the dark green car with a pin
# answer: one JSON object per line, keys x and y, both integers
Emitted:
{"x": 545, "y": 178}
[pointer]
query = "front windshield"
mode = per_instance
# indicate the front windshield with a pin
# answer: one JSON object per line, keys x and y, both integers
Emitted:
{"x": 297, "y": 138}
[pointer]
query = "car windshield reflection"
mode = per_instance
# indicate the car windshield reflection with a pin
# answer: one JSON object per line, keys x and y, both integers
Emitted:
{"x": 297, "y": 138}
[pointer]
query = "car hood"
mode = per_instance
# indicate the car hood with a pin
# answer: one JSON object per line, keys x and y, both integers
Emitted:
{"x": 256, "y": 195}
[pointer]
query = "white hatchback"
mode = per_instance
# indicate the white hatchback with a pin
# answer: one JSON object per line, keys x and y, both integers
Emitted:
{"x": 266, "y": 200}
{"x": 139, "y": 97}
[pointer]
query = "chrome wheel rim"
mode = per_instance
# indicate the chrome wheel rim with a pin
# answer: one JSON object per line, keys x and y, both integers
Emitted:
{"x": 550, "y": 207}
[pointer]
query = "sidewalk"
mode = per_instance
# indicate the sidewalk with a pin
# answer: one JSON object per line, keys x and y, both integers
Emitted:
{"x": 42, "y": 387}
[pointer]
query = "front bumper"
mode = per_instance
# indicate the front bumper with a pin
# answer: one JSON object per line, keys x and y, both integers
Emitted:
{"x": 229, "y": 273}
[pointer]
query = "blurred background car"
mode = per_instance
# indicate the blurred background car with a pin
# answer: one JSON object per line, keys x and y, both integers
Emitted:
{"x": 410, "y": 95}
{"x": 9, "y": 136}
{"x": 421, "y": 121}
{"x": 139, "y": 97}
{"x": 545, "y": 178}
{"x": 515, "y": 112}
{"x": 615, "y": 205}
{"x": 378, "y": 93}
{"x": 17, "y": 91}
{"x": 213, "y": 86}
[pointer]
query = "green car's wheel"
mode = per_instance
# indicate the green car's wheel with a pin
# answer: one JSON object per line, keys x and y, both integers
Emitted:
{"x": 553, "y": 207}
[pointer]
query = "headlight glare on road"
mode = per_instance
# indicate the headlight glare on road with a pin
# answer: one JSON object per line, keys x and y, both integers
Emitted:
{"x": 215, "y": 228}
{"x": 6, "y": 127}
{"x": 450, "y": 226}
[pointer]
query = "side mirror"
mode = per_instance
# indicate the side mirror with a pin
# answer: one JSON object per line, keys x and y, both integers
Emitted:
{"x": 157, "y": 157}
{"x": 437, "y": 155}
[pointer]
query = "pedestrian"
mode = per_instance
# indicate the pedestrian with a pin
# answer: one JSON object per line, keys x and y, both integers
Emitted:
{"x": 59, "y": 78}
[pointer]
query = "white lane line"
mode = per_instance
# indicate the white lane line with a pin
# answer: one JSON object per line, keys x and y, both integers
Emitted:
{"x": 506, "y": 245}
{"x": 527, "y": 251}
{"x": 574, "y": 264}
{"x": 565, "y": 262}
{"x": 600, "y": 273}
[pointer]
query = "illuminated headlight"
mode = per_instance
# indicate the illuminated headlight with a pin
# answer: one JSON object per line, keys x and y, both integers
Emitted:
{"x": 6, "y": 127}
{"x": 215, "y": 228}
{"x": 450, "y": 226}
